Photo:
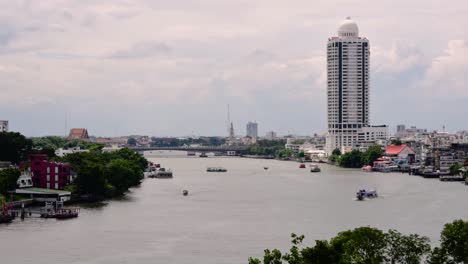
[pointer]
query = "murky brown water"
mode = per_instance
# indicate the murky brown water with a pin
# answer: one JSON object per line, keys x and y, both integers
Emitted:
{"x": 228, "y": 217}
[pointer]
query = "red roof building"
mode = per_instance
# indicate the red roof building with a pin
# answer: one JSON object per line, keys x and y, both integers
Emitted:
{"x": 402, "y": 151}
{"x": 78, "y": 133}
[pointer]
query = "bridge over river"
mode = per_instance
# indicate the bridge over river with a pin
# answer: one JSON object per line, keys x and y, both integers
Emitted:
{"x": 228, "y": 150}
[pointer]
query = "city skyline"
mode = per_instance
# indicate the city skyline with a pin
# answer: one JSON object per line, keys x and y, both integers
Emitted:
{"x": 120, "y": 68}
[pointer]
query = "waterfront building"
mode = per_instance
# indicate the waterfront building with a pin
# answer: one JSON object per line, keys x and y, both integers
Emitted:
{"x": 78, "y": 133}
{"x": 252, "y": 129}
{"x": 48, "y": 174}
{"x": 3, "y": 125}
{"x": 348, "y": 90}
{"x": 400, "y": 152}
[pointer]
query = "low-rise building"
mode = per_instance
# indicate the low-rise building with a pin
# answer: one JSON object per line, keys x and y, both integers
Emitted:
{"x": 60, "y": 152}
{"x": 48, "y": 174}
{"x": 400, "y": 152}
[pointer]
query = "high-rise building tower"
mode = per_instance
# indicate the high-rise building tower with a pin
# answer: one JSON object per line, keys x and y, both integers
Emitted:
{"x": 3, "y": 125}
{"x": 347, "y": 88}
{"x": 252, "y": 129}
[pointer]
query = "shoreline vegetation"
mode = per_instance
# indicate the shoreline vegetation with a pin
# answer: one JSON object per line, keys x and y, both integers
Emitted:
{"x": 99, "y": 175}
{"x": 369, "y": 245}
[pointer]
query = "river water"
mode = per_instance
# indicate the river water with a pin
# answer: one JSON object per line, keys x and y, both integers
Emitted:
{"x": 230, "y": 216}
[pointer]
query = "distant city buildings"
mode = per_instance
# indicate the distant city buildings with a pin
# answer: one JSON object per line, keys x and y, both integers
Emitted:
{"x": 78, "y": 133}
{"x": 3, "y": 125}
{"x": 252, "y": 129}
{"x": 348, "y": 91}
{"x": 271, "y": 135}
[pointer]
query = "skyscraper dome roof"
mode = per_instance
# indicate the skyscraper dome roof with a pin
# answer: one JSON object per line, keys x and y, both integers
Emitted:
{"x": 348, "y": 28}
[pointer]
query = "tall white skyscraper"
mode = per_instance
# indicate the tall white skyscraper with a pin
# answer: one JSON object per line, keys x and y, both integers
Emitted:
{"x": 348, "y": 88}
{"x": 252, "y": 130}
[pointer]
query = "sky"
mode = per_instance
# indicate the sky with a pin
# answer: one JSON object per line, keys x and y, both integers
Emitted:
{"x": 170, "y": 68}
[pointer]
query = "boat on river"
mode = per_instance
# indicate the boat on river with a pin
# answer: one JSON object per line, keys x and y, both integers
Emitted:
{"x": 363, "y": 194}
{"x": 216, "y": 169}
{"x": 67, "y": 212}
{"x": 162, "y": 173}
{"x": 314, "y": 168}
{"x": 184, "y": 192}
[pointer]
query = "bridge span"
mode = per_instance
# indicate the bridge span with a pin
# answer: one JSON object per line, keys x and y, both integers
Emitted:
{"x": 229, "y": 150}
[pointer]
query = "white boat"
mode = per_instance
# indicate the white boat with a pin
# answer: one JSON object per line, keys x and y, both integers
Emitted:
{"x": 369, "y": 194}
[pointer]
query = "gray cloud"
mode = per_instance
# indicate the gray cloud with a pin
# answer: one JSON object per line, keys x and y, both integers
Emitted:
{"x": 171, "y": 67}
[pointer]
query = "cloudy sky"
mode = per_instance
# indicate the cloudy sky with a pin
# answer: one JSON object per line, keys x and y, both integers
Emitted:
{"x": 161, "y": 67}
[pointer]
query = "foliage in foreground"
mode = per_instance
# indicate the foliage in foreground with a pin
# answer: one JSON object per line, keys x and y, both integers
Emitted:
{"x": 356, "y": 158}
{"x": 367, "y": 245}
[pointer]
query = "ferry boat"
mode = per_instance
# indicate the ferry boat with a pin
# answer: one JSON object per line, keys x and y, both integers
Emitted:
{"x": 362, "y": 194}
{"x": 451, "y": 178}
{"x": 314, "y": 168}
{"x": 302, "y": 166}
{"x": 162, "y": 173}
{"x": 67, "y": 212}
{"x": 216, "y": 169}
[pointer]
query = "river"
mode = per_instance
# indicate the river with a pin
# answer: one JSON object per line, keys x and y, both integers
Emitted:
{"x": 230, "y": 216}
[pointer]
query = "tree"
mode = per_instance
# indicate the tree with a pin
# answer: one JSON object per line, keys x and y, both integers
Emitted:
{"x": 454, "y": 168}
{"x": 131, "y": 142}
{"x": 406, "y": 248}
{"x": 361, "y": 245}
{"x": 454, "y": 242}
{"x": 337, "y": 152}
{"x": 91, "y": 179}
{"x": 122, "y": 174}
{"x": 8, "y": 178}
{"x": 353, "y": 159}
{"x": 14, "y": 147}
{"x": 372, "y": 154}
{"x": 396, "y": 142}
{"x": 322, "y": 252}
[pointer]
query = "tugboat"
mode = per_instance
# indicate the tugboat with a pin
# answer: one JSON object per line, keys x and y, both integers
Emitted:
{"x": 362, "y": 194}
{"x": 216, "y": 169}
{"x": 314, "y": 168}
{"x": 302, "y": 166}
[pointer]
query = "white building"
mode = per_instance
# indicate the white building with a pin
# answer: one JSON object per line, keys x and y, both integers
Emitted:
{"x": 348, "y": 90}
{"x": 252, "y": 130}
{"x": 3, "y": 126}
{"x": 60, "y": 152}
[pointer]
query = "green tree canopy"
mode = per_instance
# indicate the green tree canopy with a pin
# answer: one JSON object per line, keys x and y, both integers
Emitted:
{"x": 353, "y": 159}
{"x": 336, "y": 151}
{"x": 372, "y": 154}
{"x": 14, "y": 147}
{"x": 8, "y": 178}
